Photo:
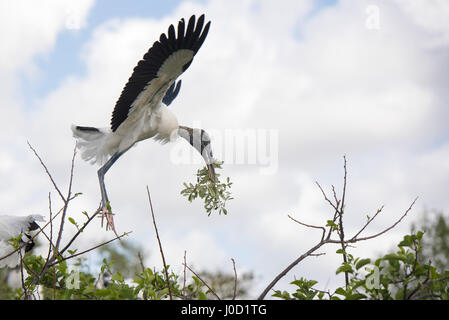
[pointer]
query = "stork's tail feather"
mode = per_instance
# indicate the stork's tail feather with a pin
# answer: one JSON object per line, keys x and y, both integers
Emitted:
{"x": 93, "y": 143}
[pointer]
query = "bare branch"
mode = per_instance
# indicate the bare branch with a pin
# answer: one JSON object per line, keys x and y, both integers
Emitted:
{"x": 48, "y": 172}
{"x": 369, "y": 221}
{"x": 160, "y": 246}
{"x": 354, "y": 239}
{"x": 326, "y": 198}
{"x": 338, "y": 214}
{"x": 66, "y": 202}
{"x": 341, "y": 231}
{"x": 91, "y": 249}
{"x": 184, "y": 280}
{"x": 310, "y": 226}
{"x": 289, "y": 267}
{"x": 205, "y": 283}
{"x": 235, "y": 279}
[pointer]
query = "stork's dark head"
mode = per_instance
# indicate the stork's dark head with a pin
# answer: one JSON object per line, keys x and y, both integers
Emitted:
{"x": 200, "y": 140}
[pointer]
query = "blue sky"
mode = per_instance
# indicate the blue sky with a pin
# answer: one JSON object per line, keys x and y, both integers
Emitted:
{"x": 64, "y": 58}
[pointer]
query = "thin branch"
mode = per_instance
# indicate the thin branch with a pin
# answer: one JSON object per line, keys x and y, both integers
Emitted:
{"x": 50, "y": 240}
{"x": 140, "y": 257}
{"x": 48, "y": 172}
{"x": 184, "y": 281}
{"x": 340, "y": 231}
{"x": 310, "y": 226}
{"x": 25, "y": 290}
{"x": 343, "y": 197}
{"x": 66, "y": 202}
{"x": 91, "y": 249}
{"x": 235, "y": 279}
{"x": 80, "y": 231}
{"x": 354, "y": 239}
{"x": 369, "y": 221}
{"x": 339, "y": 209}
{"x": 205, "y": 283}
{"x": 326, "y": 198}
{"x": 289, "y": 267}
{"x": 160, "y": 245}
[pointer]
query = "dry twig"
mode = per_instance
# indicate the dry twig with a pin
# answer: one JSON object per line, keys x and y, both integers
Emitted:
{"x": 338, "y": 206}
{"x": 160, "y": 246}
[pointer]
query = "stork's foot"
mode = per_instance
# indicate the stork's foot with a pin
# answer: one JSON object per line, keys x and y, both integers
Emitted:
{"x": 107, "y": 215}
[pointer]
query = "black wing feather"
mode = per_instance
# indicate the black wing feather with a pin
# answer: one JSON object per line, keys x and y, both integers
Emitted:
{"x": 172, "y": 92}
{"x": 147, "y": 69}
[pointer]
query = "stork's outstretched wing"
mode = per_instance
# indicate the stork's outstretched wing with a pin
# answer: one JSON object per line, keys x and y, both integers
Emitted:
{"x": 161, "y": 65}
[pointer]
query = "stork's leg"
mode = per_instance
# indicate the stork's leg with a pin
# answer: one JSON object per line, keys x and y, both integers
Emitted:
{"x": 104, "y": 197}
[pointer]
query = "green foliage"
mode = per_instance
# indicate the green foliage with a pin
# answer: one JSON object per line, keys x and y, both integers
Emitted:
{"x": 215, "y": 194}
{"x": 123, "y": 277}
{"x": 304, "y": 291}
{"x": 402, "y": 275}
{"x": 436, "y": 242}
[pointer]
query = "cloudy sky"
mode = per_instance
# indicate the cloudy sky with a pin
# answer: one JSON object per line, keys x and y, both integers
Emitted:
{"x": 305, "y": 81}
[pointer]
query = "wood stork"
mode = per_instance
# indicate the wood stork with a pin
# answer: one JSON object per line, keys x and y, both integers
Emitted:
{"x": 12, "y": 227}
{"x": 141, "y": 111}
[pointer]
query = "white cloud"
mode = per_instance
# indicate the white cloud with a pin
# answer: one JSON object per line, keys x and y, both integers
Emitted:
{"x": 326, "y": 82}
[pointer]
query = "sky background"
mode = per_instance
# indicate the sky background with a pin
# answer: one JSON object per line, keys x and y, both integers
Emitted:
{"x": 324, "y": 76}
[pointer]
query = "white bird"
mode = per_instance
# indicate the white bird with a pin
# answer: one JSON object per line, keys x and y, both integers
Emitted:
{"x": 12, "y": 227}
{"x": 141, "y": 111}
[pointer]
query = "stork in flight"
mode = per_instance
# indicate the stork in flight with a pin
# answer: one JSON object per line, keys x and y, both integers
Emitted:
{"x": 141, "y": 111}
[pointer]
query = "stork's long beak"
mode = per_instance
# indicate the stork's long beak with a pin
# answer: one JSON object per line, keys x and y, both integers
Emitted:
{"x": 211, "y": 171}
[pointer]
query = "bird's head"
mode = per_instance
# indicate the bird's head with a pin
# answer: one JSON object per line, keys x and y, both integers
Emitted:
{"x": 200, "y": 140}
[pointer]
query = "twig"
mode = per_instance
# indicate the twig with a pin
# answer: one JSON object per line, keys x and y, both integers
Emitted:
{"x": 66, "y": 202}
{"x": 369, "y": 221}
{"x": 326, "y": 198}
{"x": 354, "y": 239}
{"x": 48, "y": 172}
{"x": 184, "y": 281}
{"x": 160, "y": 245}
{"x": 91, "y": 249}
{"x": 235, "y": 279}
{"x": 338, "y": 214}
{"x": 25, "y": 290}
{"x": 310, "y": 226}
{"x": 205, "y": 283}
{"x": 289, "y": 267}
{"x": 139, "y": 256}
{"x": 50, "y": 240}
{"x": 329, "y": 241}
{"x": 340, "y": 231}
{"x": 79, "y": 232}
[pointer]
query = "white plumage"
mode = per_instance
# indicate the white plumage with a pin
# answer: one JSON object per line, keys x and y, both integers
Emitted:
{"x": 142, "y": 112}
{"x": 12, "y": 227}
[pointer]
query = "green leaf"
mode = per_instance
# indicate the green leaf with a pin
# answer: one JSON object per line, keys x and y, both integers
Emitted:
{"x": 214, "y": 193}
{"x": 117, "y": 277}
{"x": 332, "y": 224}
{"x": 341, "y": 291}
{"x": 202, "y": 295}
{"x": 406, "y": 242}
{"x": 362, "y": 263}
{"x": 345, "y": 268}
